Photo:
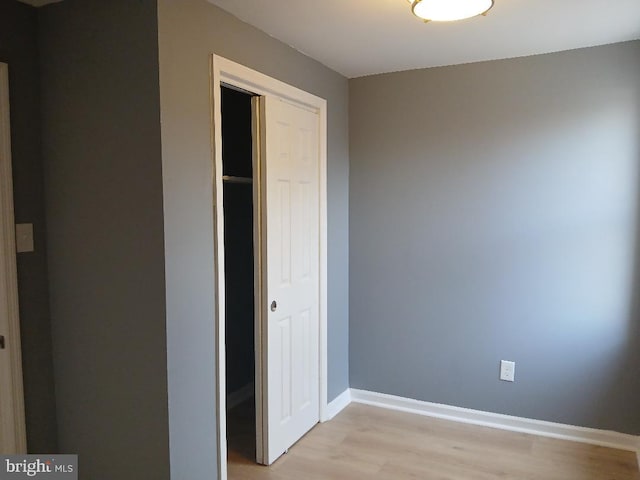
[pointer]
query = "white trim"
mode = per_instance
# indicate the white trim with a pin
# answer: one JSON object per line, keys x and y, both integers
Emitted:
{"x": 322, "y": 110}
{"x": 604, "y": 438}
{"x": 258, "y": 274}
{"x": 338, "y": 404}
{"x": 8, "y": 275}
{"x": 224, "y": 71}
{"x": 240, "y": 395}
{"x": 218, "y": 221}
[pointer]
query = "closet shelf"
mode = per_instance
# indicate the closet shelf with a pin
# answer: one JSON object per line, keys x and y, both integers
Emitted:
{"x": 232, "y": 179}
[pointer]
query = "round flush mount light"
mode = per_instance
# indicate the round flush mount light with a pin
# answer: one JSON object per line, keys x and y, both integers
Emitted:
{"x": 449, "y": 10}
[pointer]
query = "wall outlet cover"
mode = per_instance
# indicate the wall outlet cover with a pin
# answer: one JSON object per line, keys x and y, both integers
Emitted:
{"x": 507, "y": 371}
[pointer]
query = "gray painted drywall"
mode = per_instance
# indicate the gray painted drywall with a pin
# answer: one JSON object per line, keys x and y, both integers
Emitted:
{"x": 19, "y": 49}
{"x": 494, "y": 215}
{"x": 103, "y": 183}
{"x": 189, "y": 31}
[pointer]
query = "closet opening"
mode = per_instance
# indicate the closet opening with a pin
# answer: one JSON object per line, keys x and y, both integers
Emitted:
{"x": 240, "y": 272}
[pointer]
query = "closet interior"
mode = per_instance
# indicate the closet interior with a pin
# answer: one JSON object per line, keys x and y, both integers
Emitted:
{"x": 238, "y": 185}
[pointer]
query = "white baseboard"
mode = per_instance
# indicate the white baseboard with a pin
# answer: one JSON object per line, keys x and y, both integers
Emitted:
{"x": 338, "y": 404}
{"x": 243, "y": 393}
{"x": 591, "y": 436}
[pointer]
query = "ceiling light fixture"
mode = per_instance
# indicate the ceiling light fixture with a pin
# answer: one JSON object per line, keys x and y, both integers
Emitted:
{"x": 449, "y": 10}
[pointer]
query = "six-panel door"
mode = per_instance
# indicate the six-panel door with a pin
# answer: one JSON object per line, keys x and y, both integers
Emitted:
{"x": 290, "y": 164}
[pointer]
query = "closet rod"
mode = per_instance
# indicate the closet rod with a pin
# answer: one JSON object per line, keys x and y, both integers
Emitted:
{"x": 232, "y": 179}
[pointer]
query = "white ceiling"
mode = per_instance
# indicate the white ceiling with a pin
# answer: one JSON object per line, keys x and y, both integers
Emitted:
{"x": 364, "y": 37}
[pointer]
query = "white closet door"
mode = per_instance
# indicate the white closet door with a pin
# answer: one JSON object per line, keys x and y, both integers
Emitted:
{"x": 290, "y": 169}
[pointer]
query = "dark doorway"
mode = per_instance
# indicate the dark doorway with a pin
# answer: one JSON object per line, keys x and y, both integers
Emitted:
{"x": 237, "y": 158}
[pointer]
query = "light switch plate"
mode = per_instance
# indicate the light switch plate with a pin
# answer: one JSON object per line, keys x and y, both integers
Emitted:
{"x": 24, "y": 237}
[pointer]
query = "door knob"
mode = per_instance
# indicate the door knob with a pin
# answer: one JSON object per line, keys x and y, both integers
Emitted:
{"x": 274, "y": 306}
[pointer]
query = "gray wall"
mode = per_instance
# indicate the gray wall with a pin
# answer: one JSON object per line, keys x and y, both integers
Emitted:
{"x": 189, "y": 31}
{"x": 101, "y": 137}
{"x": 19, "y": 49}
{"x": 494, "y": 215}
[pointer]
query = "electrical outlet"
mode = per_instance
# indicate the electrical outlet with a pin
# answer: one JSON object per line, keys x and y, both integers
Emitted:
{"x": 507, "y": 371}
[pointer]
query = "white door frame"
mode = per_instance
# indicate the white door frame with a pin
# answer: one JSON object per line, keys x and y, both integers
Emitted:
{"x": 8, "y": 277}
{"x": 224, "y": 71}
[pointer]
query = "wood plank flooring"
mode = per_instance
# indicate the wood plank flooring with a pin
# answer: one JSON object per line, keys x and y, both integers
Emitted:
{"x": 369, "y": 443}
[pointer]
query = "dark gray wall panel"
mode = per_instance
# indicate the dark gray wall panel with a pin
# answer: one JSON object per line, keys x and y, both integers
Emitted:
{"x": 494, "y": 215}
{"x": 101, "y": 136}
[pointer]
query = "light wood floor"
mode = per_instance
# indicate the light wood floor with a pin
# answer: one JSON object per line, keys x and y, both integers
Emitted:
{"x": 369, "y": 443}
